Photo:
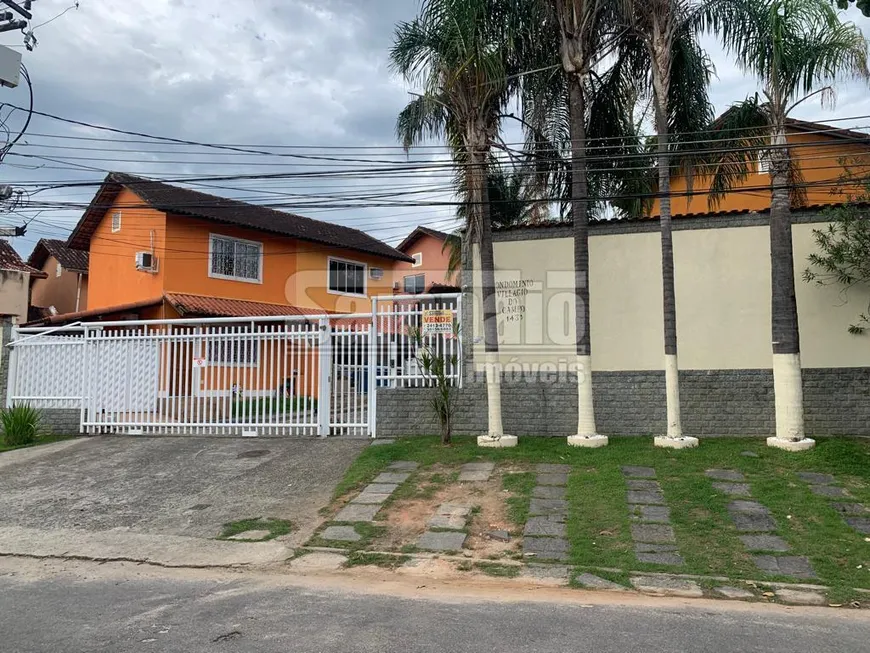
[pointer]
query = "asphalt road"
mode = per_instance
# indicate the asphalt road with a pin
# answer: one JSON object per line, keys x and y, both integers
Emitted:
{"x": 171, "y": 612}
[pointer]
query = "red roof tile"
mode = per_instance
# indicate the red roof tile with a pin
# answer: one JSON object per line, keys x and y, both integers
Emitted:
{"x": 73, "y": 260}
{"x": 9, "y": 260}
{"x": 203, "y": 306}
{"x": 183, "y": 201}
{"x": 92, "y": 314}
{"x": 418, "y": 233}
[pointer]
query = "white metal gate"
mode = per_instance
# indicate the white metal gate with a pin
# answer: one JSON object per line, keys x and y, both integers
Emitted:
{"x": 293, "y": 375}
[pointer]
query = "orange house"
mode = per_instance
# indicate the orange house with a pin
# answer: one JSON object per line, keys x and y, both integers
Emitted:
{"x": 428, "y": 270}
{"x": 824, "y": 154}
{"x": 65, "y": 287}
{"x": 161, "y": 252}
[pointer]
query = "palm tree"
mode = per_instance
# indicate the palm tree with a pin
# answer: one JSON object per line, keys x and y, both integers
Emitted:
{"x": 581, "y": 32}
{"x": 461, "y": 53}
{"x": 511, "y": 202}
{"x": 679, "y": 75}
{"x": 797, "y": 49}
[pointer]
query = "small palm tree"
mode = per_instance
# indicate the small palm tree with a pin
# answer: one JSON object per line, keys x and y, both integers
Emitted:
{"x": 462, "y": 53}
{"x": 797, "y": 49}
{"x": 679, "y": 76}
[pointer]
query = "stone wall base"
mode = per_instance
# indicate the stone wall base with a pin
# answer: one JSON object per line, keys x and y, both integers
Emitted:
{"x": 61, "y": 421}
{"x": 713, "y": 402}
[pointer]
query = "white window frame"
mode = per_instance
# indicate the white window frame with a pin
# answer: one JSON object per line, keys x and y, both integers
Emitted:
{"x": 764, "y": 160}
{"x": 365, "y": 268}
{"x": 116, "y": 218}
{"x": 418, "y": 260}
{"x": 226, "y": 277}
{"x": 413, "y": 276}
{"x": 59, "y": 270}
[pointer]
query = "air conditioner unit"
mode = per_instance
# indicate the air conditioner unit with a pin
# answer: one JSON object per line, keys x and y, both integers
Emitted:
{"x": 376, "y": 273}
{"x": 146, "y": 261}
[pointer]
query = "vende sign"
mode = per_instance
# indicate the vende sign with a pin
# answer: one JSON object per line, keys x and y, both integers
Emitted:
{"x": 437, "y": 322}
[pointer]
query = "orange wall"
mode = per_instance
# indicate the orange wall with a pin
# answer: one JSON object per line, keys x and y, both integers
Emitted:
{"x": 59, "y": 292}
{"x": 308, "y": 287}
{"x": 434, "y": 264}
{"x": 293, "y": 272}
{"x": 188, "y": 263}
{"x": 820, "y": 164}
{"x": 113, "y": 277}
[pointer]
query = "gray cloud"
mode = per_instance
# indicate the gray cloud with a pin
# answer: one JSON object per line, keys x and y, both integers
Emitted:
{"x": 291, "y": 72}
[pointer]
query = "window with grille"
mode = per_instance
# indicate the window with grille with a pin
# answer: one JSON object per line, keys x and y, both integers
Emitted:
{"x": 347, "y": 277}
{"x": 415, "y": 284}
{"x": 233, "y": 352}
{"x": 235, "y": 259}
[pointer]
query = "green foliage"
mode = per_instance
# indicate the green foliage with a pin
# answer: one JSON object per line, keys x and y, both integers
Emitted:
{"x": 463, "y": 54}
{"x": 276, "y": 528}
{"x": 22, "y": 425}
{"x": 272, "y": 406}
{"x": 843, "y": 256}
{"x": 797, "y": 49}
{"x": 498, "y": 571}
{"x": 439, "y": 368}
{"x": 383, "y": 560}
{"x": 520, "y": 486}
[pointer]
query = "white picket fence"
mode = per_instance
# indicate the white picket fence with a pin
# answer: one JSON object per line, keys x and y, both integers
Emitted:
{"x": 289, "y": 375}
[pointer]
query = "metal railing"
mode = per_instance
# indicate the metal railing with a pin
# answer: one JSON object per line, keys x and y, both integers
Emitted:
{"x": 285, "y": 375}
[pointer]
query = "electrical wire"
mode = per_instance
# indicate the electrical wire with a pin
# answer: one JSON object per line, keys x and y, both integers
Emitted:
{"x": 5, "y": 150}
{"x": 256, "y": 148}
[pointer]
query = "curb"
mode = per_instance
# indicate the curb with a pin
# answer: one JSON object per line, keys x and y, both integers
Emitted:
{"x": 642, "y": 582}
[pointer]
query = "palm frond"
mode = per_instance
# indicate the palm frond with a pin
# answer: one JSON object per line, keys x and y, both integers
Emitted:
{"x": 733, "y": 146}
{"x": 425, "y": 117}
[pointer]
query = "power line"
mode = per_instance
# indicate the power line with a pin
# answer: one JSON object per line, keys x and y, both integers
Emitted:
{"x": 257, "y": 149}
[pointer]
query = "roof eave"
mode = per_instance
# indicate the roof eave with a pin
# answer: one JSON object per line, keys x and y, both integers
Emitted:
{"x": 80, "y": 238}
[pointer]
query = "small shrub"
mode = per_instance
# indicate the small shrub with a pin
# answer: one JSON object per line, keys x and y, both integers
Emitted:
{"x": 22, "y": 425}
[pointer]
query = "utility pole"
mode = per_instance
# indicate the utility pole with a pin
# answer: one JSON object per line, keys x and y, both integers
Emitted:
{"x": 10, "y": 76}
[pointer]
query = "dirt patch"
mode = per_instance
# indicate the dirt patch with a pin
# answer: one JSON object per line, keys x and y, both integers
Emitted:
{"x": 407, "y": 517}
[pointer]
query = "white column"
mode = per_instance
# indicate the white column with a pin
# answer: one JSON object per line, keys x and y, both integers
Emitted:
{"x": 495, "y": 437}
{"x": 789, "y": 400}
{"x": 587, "y": 435}
{"x": 674, "y": 439}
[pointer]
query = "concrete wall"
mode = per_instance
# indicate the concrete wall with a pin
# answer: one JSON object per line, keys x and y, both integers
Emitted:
{"x": 723, "y": 297}
{"x": 14, "y": 294}
{"x": 723, "y": 309}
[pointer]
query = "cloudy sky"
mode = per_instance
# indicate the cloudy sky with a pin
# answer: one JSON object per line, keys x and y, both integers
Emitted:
{"x": 278, "y": 74}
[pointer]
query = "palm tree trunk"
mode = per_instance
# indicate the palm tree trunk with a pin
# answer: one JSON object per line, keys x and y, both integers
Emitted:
{"x": 669, "y": 300}
{"x": 480, "y": 197}
{"x": 580, "y": 217}
{"x": 787, "y": 382}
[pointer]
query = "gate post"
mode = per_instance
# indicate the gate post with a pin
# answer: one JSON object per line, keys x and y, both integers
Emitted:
{"x": 12, "y": 368}
{"x": 324, "y": 394}
{"x": 373, "y": 371}
{"x": 86, "y": 385}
